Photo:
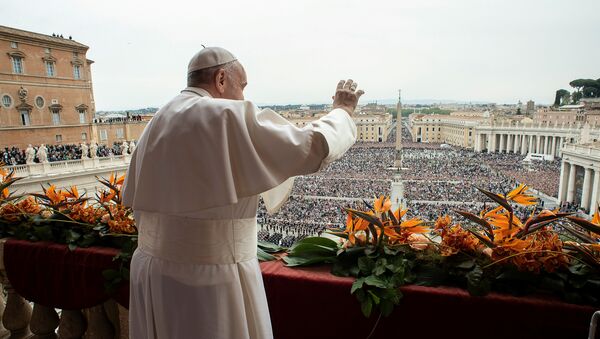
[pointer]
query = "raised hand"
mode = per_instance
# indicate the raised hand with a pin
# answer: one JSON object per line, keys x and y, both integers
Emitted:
{"x": 346, "y": 96}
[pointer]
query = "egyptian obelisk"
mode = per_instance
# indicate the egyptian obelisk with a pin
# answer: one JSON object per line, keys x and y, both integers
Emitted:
{"x": 397, "y": 186}
{"x": 398, "y": 154}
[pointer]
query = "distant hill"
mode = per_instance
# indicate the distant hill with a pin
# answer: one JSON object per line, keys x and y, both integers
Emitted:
{"x": 147, "y": 110}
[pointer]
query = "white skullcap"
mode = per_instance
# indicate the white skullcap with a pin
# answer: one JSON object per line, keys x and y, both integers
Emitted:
{"x": 210, "y": 57}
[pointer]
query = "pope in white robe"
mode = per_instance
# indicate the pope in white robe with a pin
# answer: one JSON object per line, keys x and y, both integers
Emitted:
{"x": 194, "y": 182}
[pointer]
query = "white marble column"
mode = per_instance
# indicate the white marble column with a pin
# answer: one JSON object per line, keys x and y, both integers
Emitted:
{"x": 562, "y": 184}
{"x": 586, "y": 189}
{"x": 501, "y": 148}
{"x": 553, "y": 146}
{"x": 538, "y": 144}
{"x": 531, "y": 143}
{"x": 516, "y": 145}
{"x": 560, "y": 145}
{"x": 571, "y": 184}
{"x": 523, "y": 144}
{"x": 595, "y": 191}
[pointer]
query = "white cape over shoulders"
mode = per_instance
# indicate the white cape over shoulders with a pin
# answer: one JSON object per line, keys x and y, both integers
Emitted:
{"x": 194, "y": 183}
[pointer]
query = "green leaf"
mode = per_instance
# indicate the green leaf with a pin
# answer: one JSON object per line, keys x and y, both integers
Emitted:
{"x": 467, "y": 264}
{"x": 72, "y": 247}
{"x": 476, "y": 283}
{"x": 263, "y": 255}
{"x": 552, "y": 284}
{"x": 374, "y": 296}
{"x": 380, "y": 266}
{"x": 72, "y": 236}
{"x": 375, "y": 281}
{"x": 366, "y": 307}
{"x": 270, "y": 247}
{"x": 366, "y": 265}
{"x": 390, "y": 251}
{"x": 357, "y": 284}
{"x": 43, "y": 232}
{"x": 361, "y": 295}
{"x": 321, "y": 241}
{"x": 304, "y": 261}
{"x": 386, "y": 307}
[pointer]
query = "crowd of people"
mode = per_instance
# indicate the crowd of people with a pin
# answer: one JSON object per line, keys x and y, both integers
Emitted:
{"x": 114, "y": 120}
{"x": 436, "y": 182}
{"x": 341, "y": 187}
{"x": 16, "y": 156}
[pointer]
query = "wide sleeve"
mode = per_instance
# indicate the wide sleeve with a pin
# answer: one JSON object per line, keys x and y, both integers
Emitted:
{"x": 325, "y": 140}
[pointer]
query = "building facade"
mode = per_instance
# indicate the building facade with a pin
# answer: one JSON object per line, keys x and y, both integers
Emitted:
{"x": 455, "y": 129}
{"x": 370, "y": 127}
{"x": 580, "y": 175}
{"x": 46, "y": 93}
{"x": 45, "y": 89}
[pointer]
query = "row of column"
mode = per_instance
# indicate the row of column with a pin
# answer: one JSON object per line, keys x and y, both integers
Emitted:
{"x": 567, "y": 189}
{"x": 520, "y": 143}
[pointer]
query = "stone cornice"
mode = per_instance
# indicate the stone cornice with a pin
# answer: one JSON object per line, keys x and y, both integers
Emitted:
{"x": 16, "y": 53}
{"x": 19, "y": 35}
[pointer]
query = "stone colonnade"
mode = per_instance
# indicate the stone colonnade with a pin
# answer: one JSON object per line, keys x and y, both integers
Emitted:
{"x": 520, "y": 143}
{"x": 573, "y": 190}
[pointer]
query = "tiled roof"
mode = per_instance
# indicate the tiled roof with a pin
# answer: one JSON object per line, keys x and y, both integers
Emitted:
{"x": 39, "y": 37}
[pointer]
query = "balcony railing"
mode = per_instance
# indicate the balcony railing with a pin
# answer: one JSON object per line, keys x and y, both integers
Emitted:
{"x": 59, "y": 167}
{"x": 24, "y": 319}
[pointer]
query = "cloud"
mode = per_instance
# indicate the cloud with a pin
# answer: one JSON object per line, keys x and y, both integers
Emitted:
{"x": 499, "y": 51}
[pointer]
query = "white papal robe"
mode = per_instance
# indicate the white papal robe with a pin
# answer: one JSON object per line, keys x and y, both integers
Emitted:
{"x": 194, "y": 182}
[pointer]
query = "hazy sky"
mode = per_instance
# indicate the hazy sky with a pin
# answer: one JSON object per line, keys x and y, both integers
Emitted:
{"x": 296, "y": 51}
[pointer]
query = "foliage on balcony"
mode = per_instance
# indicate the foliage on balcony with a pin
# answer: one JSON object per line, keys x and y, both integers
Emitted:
{"x": 493, "y": 250}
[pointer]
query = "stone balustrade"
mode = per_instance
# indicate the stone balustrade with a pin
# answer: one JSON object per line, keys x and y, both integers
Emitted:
{"x": 61, "y": 167}
{"x": 24, "y": 319}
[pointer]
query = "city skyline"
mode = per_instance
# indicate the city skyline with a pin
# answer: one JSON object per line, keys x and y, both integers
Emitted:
{"x": 464, "y": 51}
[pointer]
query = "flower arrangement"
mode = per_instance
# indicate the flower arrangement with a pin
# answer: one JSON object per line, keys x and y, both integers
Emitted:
{"x": 547, "y": 252}
{"x": 493, "y": 249}
{"x": 67, "y": 217}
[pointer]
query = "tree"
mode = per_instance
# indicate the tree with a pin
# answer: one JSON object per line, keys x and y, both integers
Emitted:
{"x": 559, "y": 97}
{"x": 591, "y": 92}
{"x": 576, "y": 96}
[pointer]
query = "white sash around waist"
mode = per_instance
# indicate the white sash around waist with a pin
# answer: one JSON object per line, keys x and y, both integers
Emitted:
{"x": 198, "y": 241}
